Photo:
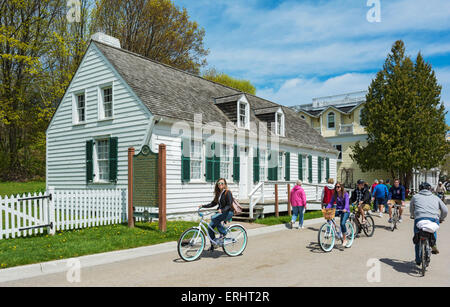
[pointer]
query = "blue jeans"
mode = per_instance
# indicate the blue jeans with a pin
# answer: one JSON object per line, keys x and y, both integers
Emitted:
{"x": 343, "y": 220}
{"x": 216, "y": 221}
{"x": 298, "y": 212}
{"x": 416, "y": 230}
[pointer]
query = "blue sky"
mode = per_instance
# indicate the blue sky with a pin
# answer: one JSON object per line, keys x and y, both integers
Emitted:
{"x": 293, "y": 51}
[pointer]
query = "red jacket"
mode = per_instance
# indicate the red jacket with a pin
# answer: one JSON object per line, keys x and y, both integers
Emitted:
{"x": 327, "y": 195}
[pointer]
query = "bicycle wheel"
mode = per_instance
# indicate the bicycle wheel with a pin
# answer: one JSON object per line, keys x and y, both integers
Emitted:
{"x": 394, "y": 220}
{"x": 369, "y": 227}
{"x": 355, "y": 223}
{"x": 350, "y": 234}
{"x": 191, "y": 244}
{"x": 423, "y": 249}
{"x": 326, "y": 237}
{"x": 235, "y": 241}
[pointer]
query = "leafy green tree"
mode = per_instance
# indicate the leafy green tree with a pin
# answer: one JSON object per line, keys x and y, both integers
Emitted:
{"x": 222, "y": 78}
{"x": 404, "y": 118}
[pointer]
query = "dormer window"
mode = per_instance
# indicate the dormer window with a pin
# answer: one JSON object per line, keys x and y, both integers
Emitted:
{"x": 243, "y": 118}
{"x": 331, "y": 120}
{"x": 279, "y": 123}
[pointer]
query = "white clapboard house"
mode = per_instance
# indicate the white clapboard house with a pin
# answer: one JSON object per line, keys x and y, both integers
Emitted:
{"x": 118, "y": 99}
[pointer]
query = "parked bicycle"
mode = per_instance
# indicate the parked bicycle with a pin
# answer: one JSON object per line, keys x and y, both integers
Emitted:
{"x": 192, "y": 242}
{"x": 395, "y": 216}
{"x": 329, "y": 231}
{"x": 356, "y": 218}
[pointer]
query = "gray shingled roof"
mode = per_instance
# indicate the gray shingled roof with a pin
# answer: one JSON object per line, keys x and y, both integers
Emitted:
{"x": 170, "y": 92}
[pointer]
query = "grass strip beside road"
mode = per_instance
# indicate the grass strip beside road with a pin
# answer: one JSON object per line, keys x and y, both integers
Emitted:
{"x": 284, "y": 219}
{"x": 88, "y": 241}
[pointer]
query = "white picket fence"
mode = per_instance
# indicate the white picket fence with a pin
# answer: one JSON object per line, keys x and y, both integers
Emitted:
{"x": 66, "y": 210}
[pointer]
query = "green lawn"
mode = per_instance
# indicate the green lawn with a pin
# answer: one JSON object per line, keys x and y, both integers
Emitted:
{"x": 283, "y": 219}
{"x": 68, "y": 244}
{"x": 14, "y": 188}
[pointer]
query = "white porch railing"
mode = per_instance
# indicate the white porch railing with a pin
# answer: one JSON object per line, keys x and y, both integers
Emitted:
{"x": 257, "y": 195}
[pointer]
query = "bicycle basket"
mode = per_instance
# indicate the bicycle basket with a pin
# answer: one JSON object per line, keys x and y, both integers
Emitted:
{"x": 366, "y": 207}
{"x": 329, "y": 214}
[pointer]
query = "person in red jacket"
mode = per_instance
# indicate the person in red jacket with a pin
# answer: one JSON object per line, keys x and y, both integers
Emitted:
{"x": 327, "y": 192}
{"x": 298, "y": 202}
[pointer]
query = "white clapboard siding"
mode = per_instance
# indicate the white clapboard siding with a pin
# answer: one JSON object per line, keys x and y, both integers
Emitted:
{"x": 66, "y": 143}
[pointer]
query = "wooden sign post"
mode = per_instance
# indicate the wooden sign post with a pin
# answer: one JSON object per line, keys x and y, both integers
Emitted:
{"x": 277, "y": 214}
{"x": 130, "y": 188}
{"x": 162, "y": 188}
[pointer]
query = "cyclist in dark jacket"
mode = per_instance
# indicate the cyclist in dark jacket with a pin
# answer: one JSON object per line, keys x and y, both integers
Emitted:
{"x": 396, "y": 196}
{"x": 361, "y": 196}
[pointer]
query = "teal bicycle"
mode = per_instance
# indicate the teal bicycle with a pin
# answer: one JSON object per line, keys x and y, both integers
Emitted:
{"x": 329, "y": 231}
{"x": 193, "y": 241}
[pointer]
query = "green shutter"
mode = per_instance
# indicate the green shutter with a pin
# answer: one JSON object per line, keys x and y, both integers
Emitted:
{"x": 273, "y": 171}
{"x": 113, "y": 157}
{"x": 209, "y": 162}
{"x": 288, "y": 166}
{"x": 328, "y": 168}
{"x": 185, "y": 161}
{"x": 236, "y": 164}
{"x": 319, "y": 169}
{"x": 300, "y": 167}
{"x": 256, "y": 167}
{"x": 310, "y": 169}
{"x": 89, "y": 161}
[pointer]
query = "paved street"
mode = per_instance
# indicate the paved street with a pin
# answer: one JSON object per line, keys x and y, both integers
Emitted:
{"x": 282, "y": 258}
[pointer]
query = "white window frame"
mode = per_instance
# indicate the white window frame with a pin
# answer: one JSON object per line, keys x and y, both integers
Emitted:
{"x": 324, "y": 170}
{"x": 201, "y": 160}
{"x": 228, "y": 163}
{"x": 341, "y": 152}
{"x": 101, "y": 109}
{"x": 281, "y": 162}
{"x": 243, "y": 102}
{"x": 263, "y": 165}
{"x": 96, "y": 159}
{"x": 280, "y": 131}
{"x": 360, "y": 117}
{"x": 334, "y": 120}
{"x": 75, "y": 109}
{"x": 304, "y": 166}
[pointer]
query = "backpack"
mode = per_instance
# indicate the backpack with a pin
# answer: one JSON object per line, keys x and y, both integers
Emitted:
{"x": 235, "y": 206}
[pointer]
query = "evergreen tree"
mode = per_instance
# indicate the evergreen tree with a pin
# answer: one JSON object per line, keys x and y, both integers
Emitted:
{"x": 404, "y": 118}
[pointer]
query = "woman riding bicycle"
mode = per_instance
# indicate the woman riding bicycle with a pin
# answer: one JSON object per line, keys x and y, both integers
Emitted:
{"x": 223, "y": 198}
{"x": 342, "y": 207}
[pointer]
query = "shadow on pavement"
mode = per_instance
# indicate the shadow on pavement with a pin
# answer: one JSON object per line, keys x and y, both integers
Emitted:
{"x": 407, "y": 267}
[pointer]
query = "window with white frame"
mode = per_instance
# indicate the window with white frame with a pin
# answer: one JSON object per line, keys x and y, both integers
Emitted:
{"x": 243, "y": 114}
{"x": 196, "y": 159}
{"x": 225, "y": 162}
{"x": 360, "y": 117}
{"x": 339, "y": 148}
{"x": 81, "y": 107}
{"x": 102, "y": 165}
{"x": 106, "y": 105}
{"x": 331, "y": 119}
{"x": 279, "y": 123}
{"x": 280, "y": 166}
{"x": 262, "y": 165}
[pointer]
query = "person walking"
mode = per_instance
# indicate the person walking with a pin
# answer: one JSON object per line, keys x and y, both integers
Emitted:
{"x": 389, "y": 186}
{"x": 341, "y": 201}
{"x": 375, "y": 183}
{"x": 224, "y": 200}
{"x": 380, "y": 196}
{"x": 298, "y": 202}
{"x": 327, "y": 192}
